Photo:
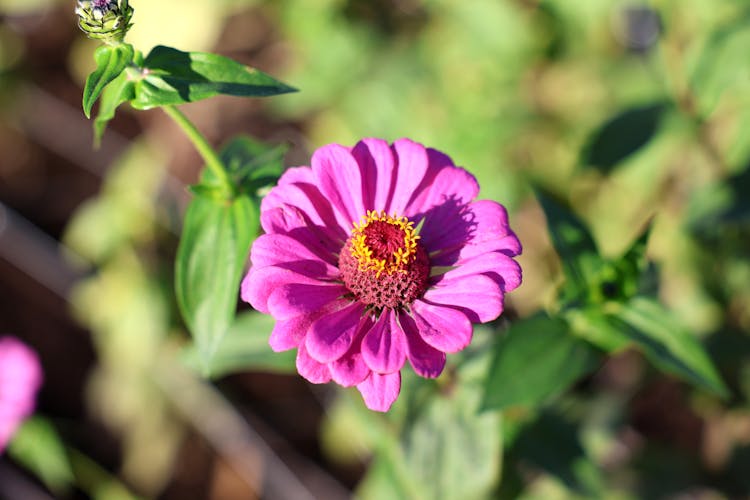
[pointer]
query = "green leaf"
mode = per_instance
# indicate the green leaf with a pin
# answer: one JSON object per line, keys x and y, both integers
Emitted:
{"x": 537, "y": 359}
{"x": 551, "y": 443}
{"x": 245, "y": 347}
{"x": 622, "y": 136}
{"x": 596, "y": 327}
{"x": 579, "y": 257}
{"x": 451, "y": 450}
{"x": 173, "y": 77}
{"x": 381, "y": 481}
{"x": 215, "y": 242}
{"x": 111, "y": 61}
{"x": 120, "y": 90}
{"x": 37, "y": 446}
{"x": 668, "y": 344}
{"x": 723, "y": 64}
{"x": 253, "y": 164}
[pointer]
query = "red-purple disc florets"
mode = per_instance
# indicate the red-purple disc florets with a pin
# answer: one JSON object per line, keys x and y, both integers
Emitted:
{"x": 383, "y": 264}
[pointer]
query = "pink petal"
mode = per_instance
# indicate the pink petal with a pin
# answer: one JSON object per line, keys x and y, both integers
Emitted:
{"x": 452, "y": 184}
{"x": 340, "y": 180}
{"x": 509, "y": 245}
{"x": 331, "y": 336}
{"x": 412, "y": 167}
{"x": 375, "y": 159}
{"x": 503, "y": 269}
{"x": 350, "y": 369}
{"x": 8, "y": 427}
{"x": 426, "y": 360}
{"x": 293, "y": 299}
{"x": 380, "y": 391}
{"x": 444, "y": 328}
{"x": 477, "y": 222}
{"x": 289, "y": 220}
{"x": 384, "y": 346}
{"x": 447, "y": 226}
{"x": 309, "y": 200}
{"x": 312, "y": 370}
{"x": 288, "y": 253}
{"x": 296, "y": 175}
{"x": 261, "y": 283}
{"x": 478, "y": 296}
{"x": 289, "y": 333}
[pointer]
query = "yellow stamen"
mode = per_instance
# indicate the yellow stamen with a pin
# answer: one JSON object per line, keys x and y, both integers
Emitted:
{"x": 396, "y": 260}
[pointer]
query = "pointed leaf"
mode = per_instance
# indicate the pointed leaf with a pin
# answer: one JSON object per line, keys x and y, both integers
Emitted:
{"x": 668, "y": 344}
{"x": 579, "y": 257}
{"x": 120, "y": 90}
{"x": 537, "y": 359}
{"x": 622, "y": 136}
{"x": 111, "y": 61}
{"x": 211, "y": 257}
{"x": 174, "y": 77}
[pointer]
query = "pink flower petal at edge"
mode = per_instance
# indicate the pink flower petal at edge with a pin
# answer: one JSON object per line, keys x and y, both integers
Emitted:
{"x": 476, "y": 223}
{"x": 478, "y": 296}
{"x": 450, "y": 183}
{"x": 339, "y": 178}
{"x": 292, "y": 299}
{"x": 350, "y": 369}
{"x": 290, "y": 220}
{"x": 20, "y": 379}
{"x": 308, "y": 199}
{"x": 426, "y": 360}
{"x": 331, "y": 336}
{"x": 412, "y": 167}
{"x": 271, "y": 287}
{"x": 375, "y": 159}
{"x": 288, "y": 253}
{"x": 380, "y": 391}
{"x": 444, "y": 328}
{"x": 311, "y": 370}
{"x": 384, "y": 346}
{"x": 503, "y": 269}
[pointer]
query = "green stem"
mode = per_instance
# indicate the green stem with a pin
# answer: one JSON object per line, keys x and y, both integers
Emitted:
{"x": 208, "y": 153}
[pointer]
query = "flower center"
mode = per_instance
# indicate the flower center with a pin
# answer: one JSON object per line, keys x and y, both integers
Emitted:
{"x": 382, "y": 263}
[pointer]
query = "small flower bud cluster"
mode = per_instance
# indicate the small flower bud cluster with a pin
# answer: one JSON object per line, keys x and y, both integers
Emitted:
{"x": 106, "y": 20}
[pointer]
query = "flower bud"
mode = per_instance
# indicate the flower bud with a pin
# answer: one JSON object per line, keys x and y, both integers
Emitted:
{"x": 106, "y": 20}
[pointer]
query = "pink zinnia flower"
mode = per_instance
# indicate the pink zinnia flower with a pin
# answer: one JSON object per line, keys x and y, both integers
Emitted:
{"x": 378, "y": 254}
{"x": 20, "y": 378}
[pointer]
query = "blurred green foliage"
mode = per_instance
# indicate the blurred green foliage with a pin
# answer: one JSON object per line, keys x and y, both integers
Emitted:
{"x": 632, "y": 121}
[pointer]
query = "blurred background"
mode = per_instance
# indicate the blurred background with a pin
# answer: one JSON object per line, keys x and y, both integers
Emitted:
{"x": 633, "y": 112}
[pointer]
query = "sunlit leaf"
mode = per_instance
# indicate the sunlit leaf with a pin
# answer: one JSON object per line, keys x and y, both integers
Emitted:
{"x": 174, "y": 77}
{"x": 537, "y": 359}
{"x": 111, "y": 61}
{"x": 120, "y": 90}
{"x": 211, "y": 256}
{"x": 451, "y": 450}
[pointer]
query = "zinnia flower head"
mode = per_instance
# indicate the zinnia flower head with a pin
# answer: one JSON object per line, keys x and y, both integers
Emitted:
{"x": 20, "y": 378}
{"x": 376, "y": 255}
